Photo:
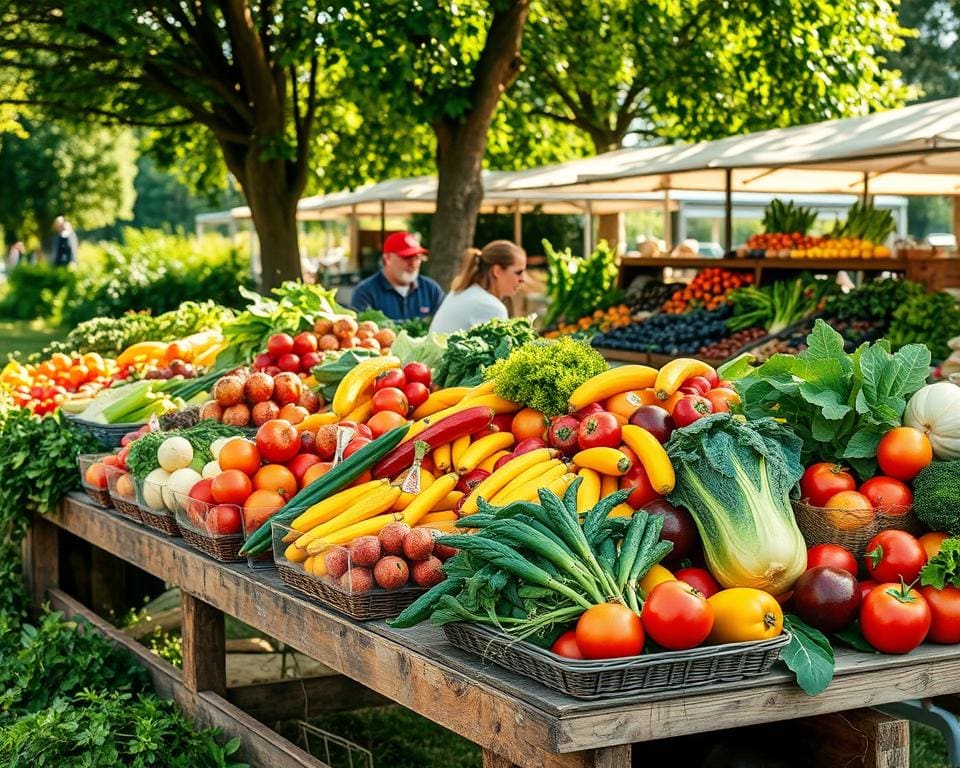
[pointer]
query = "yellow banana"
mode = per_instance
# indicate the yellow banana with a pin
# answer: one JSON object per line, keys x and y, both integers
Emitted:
{"x": 333, "y": 505}
{"x": 439, "y": 400}
{"x": 531, "y": 474}
{"x": 480, "y": 390}
{"x": 489, "y": 462}
{"x": 441, "y": 457}
{"x": 376, "y": 503}
{"x": 673, "y": 374}
{"x": 608, "y": 484}
{"x": 307, "y": 564}
{"x": 415, "y": 429}
{"x": 559, "y": 485}
{"x": 609, "y": 461}
{"x": 444, "y": 526}
{"x": 612, "y": 382}
{"x": 448, "y": 502}
{"x": 588, "y": 494}
{"x": 481, "y": 450}
{"x": 362, "y": 413}
{"x": 438, "y": 517}
{"x": 369, "y": 527}
{"x": 653, "y": 456}
{"x": 427, "y": 499}
{"x": 457, "y": 448}
{"x": 358, "y": 379}
{"x": 528, "y": 491}
{"x": 496, "y": 482}
{"x": 426, "y": 480}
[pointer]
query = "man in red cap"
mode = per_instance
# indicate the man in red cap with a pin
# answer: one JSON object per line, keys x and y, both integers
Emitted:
{"x": 398, "y": 289}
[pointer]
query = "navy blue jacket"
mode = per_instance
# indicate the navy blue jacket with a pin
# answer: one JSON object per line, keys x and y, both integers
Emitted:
{"x": 376, "y": 292}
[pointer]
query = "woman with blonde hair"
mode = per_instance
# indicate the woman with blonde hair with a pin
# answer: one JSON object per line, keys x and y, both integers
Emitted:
{"x": 486, "y": 278}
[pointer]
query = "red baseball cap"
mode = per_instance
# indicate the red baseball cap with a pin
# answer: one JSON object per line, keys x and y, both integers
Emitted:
{"x": 403, "y": 244}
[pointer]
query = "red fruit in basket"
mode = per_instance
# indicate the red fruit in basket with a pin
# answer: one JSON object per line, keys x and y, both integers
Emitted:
{"x": 96, "y": 475}
{"x": 336, "y": 561}
{"x": 588, "y": 410}
{"x": 357, "y": 580}
{"x": 690, "y": 408}
{"x": 527, "y": 445}
{"x": 599, "y": 430}
{"x": 263, "y": 361}
{"x": 310, "y": 361}
{"x": 364, "y": 551}
{"x": 393, "y": 378}
{"x": 228, "y": 391}
{"x": 326, "y": 441}
{"x": 390, "y": 399}
{"x": 224, "y": 520}
{"x": 308, "y": 443}
{"x": 892, "y": 555}
{"x": 289, "y": 362}
{"x": 280, "y": 344}
{"x": 699, "y": 384}
{"x": 236, "y": 415}
{"x": 418, "y": 544}
{"x": 304, "y": 343}
{"x": 501, "y": 422}
{"x": 416, "y": 393}
{"x": 678, "y": 528}
{"x": 417, "y": 371}
{"x": 261, "y": 413}
{"x": 391, "y": 572}
{"x": 260, "y": 507}
{"x": 827, "y": 598}
{"x": 822, "y": 480}
{"x": 700, "y": 579}
{"x": 287, "y": 388}
{"x": 888, "y": 495}
{"x": 427, "y": 573}
{"x": 258, "y": 387}
{"x": 392, "y": 536}
{"x": 300, "y": 463}
{"x": 231, "y": 487}
{"x": 503, "y": 460}
{"x": 278, "y": 441}
{"x": 656, "y": 420}
{"x": 833, "y": 555}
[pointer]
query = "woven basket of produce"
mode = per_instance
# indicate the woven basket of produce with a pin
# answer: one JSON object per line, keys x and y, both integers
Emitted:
{"x": 124, "y": 490}
{"x": 851, "y": 529}
{"x": 98, "y": 495}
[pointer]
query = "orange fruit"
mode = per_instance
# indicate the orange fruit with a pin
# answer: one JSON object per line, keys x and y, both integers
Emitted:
{"x": 277, "y": 478}
{"x": 529, "y": 423}
{"x": 931, "y": 543}
{"x": 626, "y": 403}
{"x": 240, "y": 454}
{"x": 316, "y": 471}
{"x": 384, "y": 421}
{"x": 293, "y": 413}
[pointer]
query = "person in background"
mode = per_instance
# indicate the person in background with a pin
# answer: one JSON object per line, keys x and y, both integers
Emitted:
{"x": 398, "y": 289}
{"x": 486, "y": 278}
{"x": 16, "y": 254}
{"x": 65, "y": 244}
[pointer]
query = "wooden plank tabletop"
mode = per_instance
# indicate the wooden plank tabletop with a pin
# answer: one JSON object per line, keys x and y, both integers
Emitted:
{"x": 496, "y": 709}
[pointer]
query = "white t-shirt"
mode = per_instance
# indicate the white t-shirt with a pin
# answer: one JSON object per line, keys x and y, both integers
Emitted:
{"x": 467, "y": 308}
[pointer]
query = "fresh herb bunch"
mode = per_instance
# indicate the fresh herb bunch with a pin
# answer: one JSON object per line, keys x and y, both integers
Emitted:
{"x": 876, "y": 300}
{"x": 840, "y": 405}
{"x": 780, "y": 218}
{"x": 865, "y": 222}
{"x": 142, "y": 458}
{"x": 780, "y": 305}
{"x": 931, "y": 319}
{"x": 470, "y": 352}
{"x": 111, "y": 335}
{"x": 578, "y": 286}
{"x": 542, "y": 374}
{"x": 532, "y": 569}
{"x": 296, "y": 308}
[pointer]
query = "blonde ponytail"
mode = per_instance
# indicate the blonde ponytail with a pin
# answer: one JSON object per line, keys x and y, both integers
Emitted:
{"x": 477, "y": 264}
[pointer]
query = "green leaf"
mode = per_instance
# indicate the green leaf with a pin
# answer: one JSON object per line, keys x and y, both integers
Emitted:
{"x": 943, "y": 569}
{"x": 809, "y": 656}
{"x": 825, "y": 345}
{"x": 853, "y": 637}
{"x": 863, "y": 444}
{"x": 736, "y": 369}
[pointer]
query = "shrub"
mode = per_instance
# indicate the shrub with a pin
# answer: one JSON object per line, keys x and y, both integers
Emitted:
{"x": 32, "y": 290}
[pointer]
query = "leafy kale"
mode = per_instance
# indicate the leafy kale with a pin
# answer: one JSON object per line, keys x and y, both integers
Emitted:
{"x": 943, "y": 569}
{"x": 470, "y": 352}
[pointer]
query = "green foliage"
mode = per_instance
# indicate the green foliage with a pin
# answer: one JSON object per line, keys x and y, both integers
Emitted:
{"x": 32, "y": 290}
{"x": 875, "y": 300}
{"x": 931, "y": 319}
{"x": 936, "y": 490}
{"x": 576, "y": 287}
{"x": 787, "y": 218}
{"x": 929, "y": 58}
{"x": 471, "y": 351}
{"x": 543, "y": 374}
{"x": 809, "y": 655}
{"x": 840, "y": 405}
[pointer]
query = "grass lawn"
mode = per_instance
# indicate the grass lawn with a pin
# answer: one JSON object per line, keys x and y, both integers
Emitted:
{"x": 24, "y": 337}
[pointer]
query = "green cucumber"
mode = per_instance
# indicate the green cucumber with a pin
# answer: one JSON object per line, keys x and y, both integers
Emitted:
{"x": 339, "y": 477}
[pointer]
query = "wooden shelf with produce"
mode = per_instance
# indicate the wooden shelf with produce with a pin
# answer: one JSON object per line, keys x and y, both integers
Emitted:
{"x": 934, "y": 271}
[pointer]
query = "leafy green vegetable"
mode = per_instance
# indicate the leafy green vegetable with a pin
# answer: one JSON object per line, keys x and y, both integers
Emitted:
{"x": 142, "y": 458}
{"x": 875, "y": 300}
{"x": 809, "y": 655}
{"x": 377, "y": 317}
{"x": 943, "y": 569}
{"x": 781, "y": 218}
{"x": 543, "y": 374}
{"x": 777, "y": 306}
{"x": 865, "y": 222}
{"x": 929, "y": 318}
{"x": 576, "y": 286}
{"x": 428, "y": 349}
{"x": 840, "y": 405}
{"x": 470, "y": 352}
{"x": 936, "y": 496}
{"x": 415, "y": 326}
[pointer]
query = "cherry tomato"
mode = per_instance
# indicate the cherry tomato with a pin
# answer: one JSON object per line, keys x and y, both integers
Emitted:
{"x": 721, "y": 399}
{"x": 566, "y": 645}
{"x": 390, "y": 399}
{"x": 599, "y": 430}
{"x": 903, "y": 452}
{"x": 894, "y": 618}
{"x": 833, "y": 555}
{"x": 393, "y": 378}
{"x": 887, "y": 495}
{"x": 823, "y": 480}
{"x": 690, "y": 408}
{"x": 700, "y": 579}
{"x": 893, "y": 555}
{"x": 417, "y": 371}
{"x": 944, "y": 614}
{"x": 609, "y": 631}
{"x": 676, "y": 616}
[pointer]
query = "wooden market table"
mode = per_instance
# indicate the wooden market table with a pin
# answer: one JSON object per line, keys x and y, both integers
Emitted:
{"x": 516, "y": 721}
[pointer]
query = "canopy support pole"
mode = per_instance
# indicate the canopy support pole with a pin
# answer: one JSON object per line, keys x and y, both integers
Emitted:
{"x": 383, "y": 223}
{"x": 588, "y": 229}
{"x": 354, "y": 236}
{"x": 866, "y": 187}
{"x": 517, "y": 224}
{"x": 728, "y": 210}
{"x": 667, "y": 224}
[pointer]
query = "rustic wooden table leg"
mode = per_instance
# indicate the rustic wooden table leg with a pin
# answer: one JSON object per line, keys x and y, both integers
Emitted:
{"x": 204, "y": 653}
{"x": 610, "y": 757}
{"x": 41, "y": 560}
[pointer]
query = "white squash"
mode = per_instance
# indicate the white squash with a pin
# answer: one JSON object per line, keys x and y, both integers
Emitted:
{"x": 935, "y": 410}
{"x": 174, "y": 453}
{"x": 153, "y": 485}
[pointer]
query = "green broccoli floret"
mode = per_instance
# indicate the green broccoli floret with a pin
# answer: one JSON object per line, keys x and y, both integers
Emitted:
{"x": 936, "y": 496}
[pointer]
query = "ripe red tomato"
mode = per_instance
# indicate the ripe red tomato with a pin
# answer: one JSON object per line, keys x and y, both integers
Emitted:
{"x": 894, "y": 618}
{"x": 888, "y": 495}
{"x": 224, "y": 519}
{"x": 700, "y": 579}
{"x": 304, "y": 343}
{"x": 722, "y": 398}
{"x": 866, "y": 587}
{"x": 417, "y": 371}
{"x": 676, "y": 616}
{"x": 833, "y": 555}
{"x": 278, "y": 441}
{"x": 642, "y": 490}
{"x": 690, "y": 408}
{"x": 823, "y": 480}
{"x": 566, "y": 645}
{"x": 417, "y": 394}
{"x": 392, "y": 378}
{"x": 231, "y": 487}
{"x": 903, "y": 452}
{"x": 300, "y": 463}
{"x": 390, "y": 399}
{"x": 355, "y": 445}
{"x": 699, "y": 384}
{"x": 609, "y": 631}
{"x": 600, "y": 430}
{"x": 280, "y": 344}
{"x": 944, "y": 614}
{"x": 893, "y": 555}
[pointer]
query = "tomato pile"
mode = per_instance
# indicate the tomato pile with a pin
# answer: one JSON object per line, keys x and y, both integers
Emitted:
{"x": 43, "y": 387}
{"x": 709, "y": 289}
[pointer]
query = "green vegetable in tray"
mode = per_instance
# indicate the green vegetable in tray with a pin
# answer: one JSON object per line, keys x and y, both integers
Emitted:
{"x": 840, "y": 405}
{"x": 876, "y": 300}
{"x": 469, "y": 352}
{"x": 543, "y": 374}
{"x": 936, "y": 496}
{"x": 142, "y": 459}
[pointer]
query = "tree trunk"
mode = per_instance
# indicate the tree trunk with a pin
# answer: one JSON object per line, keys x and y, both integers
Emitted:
{"x": 274, "y": 213}
{"x": 461, "y": 144}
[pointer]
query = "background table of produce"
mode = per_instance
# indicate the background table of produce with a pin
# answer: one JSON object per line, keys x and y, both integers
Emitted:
{"x": 507, "y": 715}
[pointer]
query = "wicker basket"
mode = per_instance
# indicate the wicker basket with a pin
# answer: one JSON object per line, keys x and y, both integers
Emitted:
{"x": 99, "y": 496}
{"x": 225, "y": 548}
{"x": 109, "y": 435}
{"x": 667, "y": 671}
{"x": 159, "y": 520}
{"x": 124, "y": 503}
{"x": 851, "y": 529}
{"x": 363, "y": 606}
